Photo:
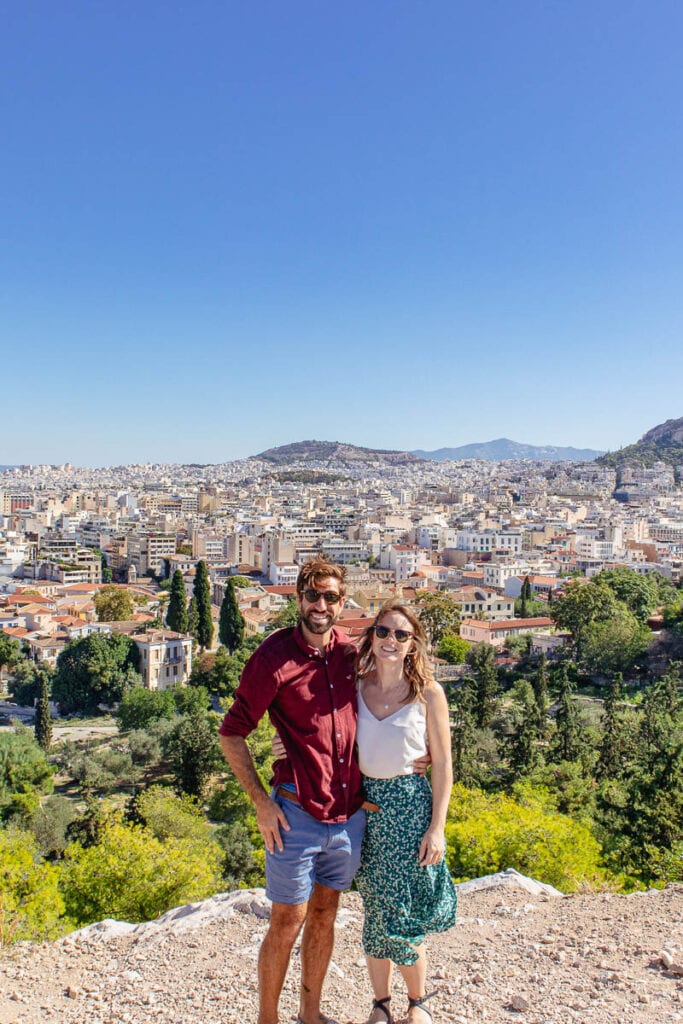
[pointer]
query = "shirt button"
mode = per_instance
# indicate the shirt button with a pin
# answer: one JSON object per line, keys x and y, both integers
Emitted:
{"x": 338, "y": 735}
{"x": 343, "y": 785}
{"x": 341, "y": 760}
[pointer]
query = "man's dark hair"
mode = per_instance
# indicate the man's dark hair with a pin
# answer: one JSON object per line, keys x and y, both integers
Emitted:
{"x": 313, "y": 572}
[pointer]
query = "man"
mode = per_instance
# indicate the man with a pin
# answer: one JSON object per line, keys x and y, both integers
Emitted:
{"x": 312, "y": 822}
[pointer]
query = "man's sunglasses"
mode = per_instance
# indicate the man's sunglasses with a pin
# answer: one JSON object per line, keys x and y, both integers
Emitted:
{"x": 329, "y": 596}
{"x": 382, "y": 632}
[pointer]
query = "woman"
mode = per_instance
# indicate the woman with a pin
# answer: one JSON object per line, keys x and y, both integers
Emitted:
{"x": 403, "y": 879}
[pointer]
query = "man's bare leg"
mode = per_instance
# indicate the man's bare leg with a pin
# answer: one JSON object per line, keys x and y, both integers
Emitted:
{"x": 285, "y": 924}
{"x": 316, "y": 950}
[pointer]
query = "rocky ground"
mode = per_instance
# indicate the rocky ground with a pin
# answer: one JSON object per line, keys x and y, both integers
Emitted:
{"x": 537, "y": 959}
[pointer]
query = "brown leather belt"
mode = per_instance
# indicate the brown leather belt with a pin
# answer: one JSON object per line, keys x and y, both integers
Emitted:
{"x": 288, "y": 795}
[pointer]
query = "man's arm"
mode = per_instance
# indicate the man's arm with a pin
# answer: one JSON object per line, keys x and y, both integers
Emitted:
{"x": 269, "y": 816}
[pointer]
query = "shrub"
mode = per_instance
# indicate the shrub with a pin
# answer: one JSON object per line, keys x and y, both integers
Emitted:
{"x": 489, "y": 833}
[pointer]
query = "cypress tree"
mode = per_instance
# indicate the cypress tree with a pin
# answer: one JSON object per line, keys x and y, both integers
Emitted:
{"x": 231, "y": 623}
{"x": 540, "y": 687}
{"x": 525, "y": 596}
{"x": 482, "y": 659}
{"x": 610, "y": 747}
{"x": 192, "y": 617}
{"x": 176, "y": 614}
{"x": 202, "y": 595}
{"x": 43, "y": 722}
{"x": 567, "y": 740}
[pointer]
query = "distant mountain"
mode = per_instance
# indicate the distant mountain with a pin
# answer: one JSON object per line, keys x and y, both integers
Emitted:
{"x": 333, "y": 452}
{"x": 503, "y": 448}
{"x": 663, "y": 443}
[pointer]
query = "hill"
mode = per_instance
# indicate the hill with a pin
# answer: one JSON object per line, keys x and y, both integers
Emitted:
{"x": 663, "y": 443}
{"x": 503, "y": 448}
{"x": 514, "y": 955}
{"x": 333, "y": 453}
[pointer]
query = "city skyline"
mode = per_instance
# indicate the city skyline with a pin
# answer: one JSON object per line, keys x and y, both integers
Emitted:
{"x": 429, "y": 226}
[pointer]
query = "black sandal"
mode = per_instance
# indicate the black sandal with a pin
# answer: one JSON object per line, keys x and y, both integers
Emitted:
{"x": 380, "y": 1004}
{"x": 419, "y": 1003}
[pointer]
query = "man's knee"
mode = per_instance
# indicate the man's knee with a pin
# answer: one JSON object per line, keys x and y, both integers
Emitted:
{"x": 286, "y": 920}
{"x": 323, "y": 904}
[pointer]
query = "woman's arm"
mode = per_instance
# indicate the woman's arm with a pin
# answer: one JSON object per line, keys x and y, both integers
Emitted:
{"x": 433, "y": 845}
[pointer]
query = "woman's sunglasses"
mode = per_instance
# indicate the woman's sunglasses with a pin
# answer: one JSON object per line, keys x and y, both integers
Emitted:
{"x": 401, "y": 635}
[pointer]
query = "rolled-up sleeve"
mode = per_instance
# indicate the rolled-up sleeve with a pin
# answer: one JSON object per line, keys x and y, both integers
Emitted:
{"x": 253, "y": 697}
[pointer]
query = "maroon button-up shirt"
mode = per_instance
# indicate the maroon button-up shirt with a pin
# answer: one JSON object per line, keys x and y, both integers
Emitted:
{"x": 310, "y": 696}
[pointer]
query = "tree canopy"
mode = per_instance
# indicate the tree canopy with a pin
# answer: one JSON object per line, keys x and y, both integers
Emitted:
{"x": 113, "y": 604}
{"x": 95, "y": 669}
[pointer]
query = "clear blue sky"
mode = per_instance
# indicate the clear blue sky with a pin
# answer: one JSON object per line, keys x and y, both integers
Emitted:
{"x": 397, "y": 223}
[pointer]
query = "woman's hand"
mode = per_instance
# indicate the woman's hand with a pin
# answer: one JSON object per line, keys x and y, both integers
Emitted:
{"x": 277, "y": 747}
{"x": 432, "y": 847}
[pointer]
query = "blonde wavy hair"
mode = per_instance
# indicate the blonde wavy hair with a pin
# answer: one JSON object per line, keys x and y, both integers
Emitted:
{"x": 416, "y": 667}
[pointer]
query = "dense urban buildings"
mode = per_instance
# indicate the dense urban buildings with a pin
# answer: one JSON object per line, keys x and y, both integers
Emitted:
{"x": 474, "y": 529}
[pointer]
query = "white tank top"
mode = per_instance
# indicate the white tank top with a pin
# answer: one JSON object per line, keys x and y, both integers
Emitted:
{"x": 388, "y": 747}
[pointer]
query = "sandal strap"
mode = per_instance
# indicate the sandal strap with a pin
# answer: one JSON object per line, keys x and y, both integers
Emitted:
{"x": 422, "y": 1000}
{"x": 380, "y": 1004}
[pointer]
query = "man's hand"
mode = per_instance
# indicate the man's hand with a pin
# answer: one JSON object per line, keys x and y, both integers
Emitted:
{"x": 277, "y": 747}
{"x": 270, "y": 818}
{"x": 421, "y": 764}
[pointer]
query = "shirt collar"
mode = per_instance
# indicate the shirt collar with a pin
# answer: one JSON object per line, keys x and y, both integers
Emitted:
{"x": 309, "y": 648}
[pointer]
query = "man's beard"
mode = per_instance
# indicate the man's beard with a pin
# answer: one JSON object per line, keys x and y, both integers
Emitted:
{"x": 318, "y": 626}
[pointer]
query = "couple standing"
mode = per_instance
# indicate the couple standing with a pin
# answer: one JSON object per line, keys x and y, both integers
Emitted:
{"x": 323, "y": 695}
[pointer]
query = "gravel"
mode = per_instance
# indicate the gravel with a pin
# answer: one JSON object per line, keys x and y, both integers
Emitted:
{"x": 543, "y": 959}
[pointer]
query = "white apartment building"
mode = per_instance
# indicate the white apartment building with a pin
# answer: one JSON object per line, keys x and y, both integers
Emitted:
{"x": 147, "y": 551}
{"x": 165, "y": 658}
{"x": 490, "y": 540}
{"x": 283, "y": 574}
{"x": 404, "y": 560}
{"x": 343, "y": 552}
{"x": 497, "y": 574}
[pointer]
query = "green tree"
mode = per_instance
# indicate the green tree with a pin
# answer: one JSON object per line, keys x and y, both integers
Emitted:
{"x": 202, "y": 596}
{"x": 132, "y": 875}
{"x": 482, "y": 660}
{"x": 231, "y": 623}
{"x": 488, "y": 833}
{"x": 638, "y": 591}
{"x": 452, "y": 649}
{"x": 286, "y": 617}
{"x": 614, "y": 644}
{"x": 24, "y": 774}
{"x": 582, "y": 604}
{"x": 525, "y": 597}
{"x": 194, "y": 752}
{"x": 94, "y": 670}
{"x": 140, "y": 707}
{"x": 10, "y": 651}
{"x": 439, "y": 614}
{"x": 566, "y": 744}
{"x": 540, "y": 687}
{"x": 49, "y": 823}
{"x": 170, "y": 815}
{"x": 43, "y": 718}
{"x": 176, "y": 613}
{"x": 192, "y": 617}
{"x": 612, "y": 748}
{"x": 522, "y": 743}
{"x": 104, "y": 770}
{"x": 31, "y": 906}
{"x": 25, "y": 683}
{"x": 462, "y": 734}
{"x": 113, "y": 604}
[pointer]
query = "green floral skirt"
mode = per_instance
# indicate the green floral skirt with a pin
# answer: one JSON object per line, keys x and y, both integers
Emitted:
{"x": 403, "y": 901}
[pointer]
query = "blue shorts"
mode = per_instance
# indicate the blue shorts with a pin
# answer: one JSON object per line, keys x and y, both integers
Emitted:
{"x": 314, "y": 851}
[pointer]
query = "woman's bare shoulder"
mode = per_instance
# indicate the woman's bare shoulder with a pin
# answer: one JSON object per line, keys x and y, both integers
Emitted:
{"x": 434, "y": 696}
